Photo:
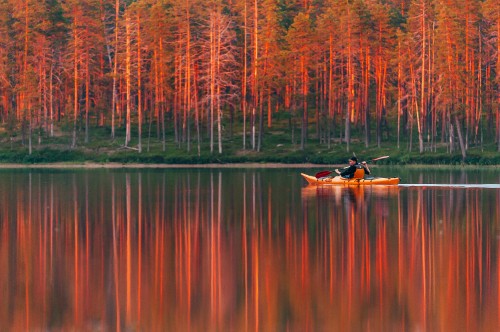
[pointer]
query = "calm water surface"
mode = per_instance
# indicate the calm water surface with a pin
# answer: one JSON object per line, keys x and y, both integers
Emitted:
{"x": 248, "y": 249}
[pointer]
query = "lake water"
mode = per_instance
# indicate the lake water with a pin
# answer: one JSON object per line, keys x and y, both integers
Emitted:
{"x": 248, "y": 249}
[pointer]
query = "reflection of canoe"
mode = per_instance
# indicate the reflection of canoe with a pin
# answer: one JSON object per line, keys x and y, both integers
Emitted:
{"x": 350, "y": 182}
{"x": 314, "y": 191}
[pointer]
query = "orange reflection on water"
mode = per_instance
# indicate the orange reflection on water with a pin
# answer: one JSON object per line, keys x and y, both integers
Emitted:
{"x": 143, "y": 252}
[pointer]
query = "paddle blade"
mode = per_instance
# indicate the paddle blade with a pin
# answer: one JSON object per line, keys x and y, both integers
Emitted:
{"x": 322, "y": 174}
{"x": 380, "y": 158}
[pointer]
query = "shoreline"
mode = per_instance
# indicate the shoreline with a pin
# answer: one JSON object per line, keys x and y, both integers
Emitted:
{"x": 92, "y": 165}
{"x": 112, "y": 165}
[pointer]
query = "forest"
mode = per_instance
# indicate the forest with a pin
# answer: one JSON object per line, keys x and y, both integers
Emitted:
{"x": 423, "y": 74}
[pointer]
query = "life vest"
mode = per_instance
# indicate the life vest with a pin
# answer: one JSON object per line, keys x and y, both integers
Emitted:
{"x": 360, "y": 172}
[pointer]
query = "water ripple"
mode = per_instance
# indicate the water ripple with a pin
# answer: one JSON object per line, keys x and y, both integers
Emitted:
{"x": 456, "y": 185}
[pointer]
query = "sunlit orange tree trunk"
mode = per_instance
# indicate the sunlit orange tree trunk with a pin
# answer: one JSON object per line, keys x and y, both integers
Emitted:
{"x": 328, "y": 36}
{"x": 6, "y": 113}
{"x": 114, "y": 100}
{"x": 420, "y": 16}
{"x": 30, "y": 66}
{"x": 491, "y": 11}
{"x": 382, "y": 46}
{"x": 349, "y": 56}
{"x": 299, "y": 38}
{"x": 128, "y": 76}
{"x": 255, "y": 69}
{"x": 270, "y": 65}
{"x": 79, "y": 50}
{"x": 159, "y": 29}
{"x": 138, "y": 14}
{"x": 244, "y": 75}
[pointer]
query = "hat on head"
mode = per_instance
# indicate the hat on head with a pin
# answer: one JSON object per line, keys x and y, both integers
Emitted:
{"x": 354, "y": 159}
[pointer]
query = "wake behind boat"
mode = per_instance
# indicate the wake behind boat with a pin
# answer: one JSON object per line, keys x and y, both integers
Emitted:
{"x": 338, "y": 180}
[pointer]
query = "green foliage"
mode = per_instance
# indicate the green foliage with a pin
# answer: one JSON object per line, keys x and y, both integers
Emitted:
{"x": 279, "y": 145}
{"x": 315, "y": 154}
{"x": 397, "y": 20}
{"x": 42, "y": 156}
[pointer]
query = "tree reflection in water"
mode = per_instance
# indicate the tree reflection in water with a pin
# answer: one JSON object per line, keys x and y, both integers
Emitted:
{"x": 220, "y": 250}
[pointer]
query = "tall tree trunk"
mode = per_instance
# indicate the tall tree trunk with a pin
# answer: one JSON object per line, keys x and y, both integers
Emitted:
{"x": 196, "y": 109}
{"x": 460, "y": 138}
{"x": 217, "y": 74}
{"x": 139, "y": 85}
{"x": 303, "y": 70}
{"x": 422, "y": 85}
{"x": 245, "y": 74}
{"x": 51, "y": 98}
{"x": 25, "y": 105}
{"x": 366, "y": 96}
{"x": 187, "y": 89}
{"x": 350, "y": 83}
{"x": 75, "y": 83}
{"x": 269, "y": 109}
{"x": 115, "y": 70}
{"x": 452, "y": 138}
{"x": 261, "y": 122}
{"x": 400, "y": 90}
{"x": 330, "y": 88}
{"x": 87, "y": 91}
{"x": 127, "y": 77}
{"x": 30, "y": 135}
{"x": 157, "y": 90}
{"x": 163, "y": 107}
{"x": 498, "y": 80}
{"x": 212, "y": 81}
{"x": 255, "y": 68}
{"x": 178, "y": 136}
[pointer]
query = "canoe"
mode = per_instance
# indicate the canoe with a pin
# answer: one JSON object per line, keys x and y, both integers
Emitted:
{"x": 338, "y": 180}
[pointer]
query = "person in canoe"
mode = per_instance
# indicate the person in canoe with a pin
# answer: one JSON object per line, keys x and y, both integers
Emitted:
{"x": 354, "y": 170}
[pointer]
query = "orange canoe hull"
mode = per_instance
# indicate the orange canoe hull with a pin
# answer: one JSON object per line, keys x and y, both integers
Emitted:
{"x": 339, "y": 181}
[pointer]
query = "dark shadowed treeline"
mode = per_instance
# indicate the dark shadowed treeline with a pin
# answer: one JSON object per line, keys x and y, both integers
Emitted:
{"x": 422, "y": 71}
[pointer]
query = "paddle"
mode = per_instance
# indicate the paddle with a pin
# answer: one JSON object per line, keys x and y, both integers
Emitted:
{"x": 326, "y": 173}
{"x": 379, "y": 158}
{"x": 322, "y": 174}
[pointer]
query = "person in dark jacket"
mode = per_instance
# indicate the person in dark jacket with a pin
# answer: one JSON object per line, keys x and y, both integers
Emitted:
{"x": 349, "y": 172}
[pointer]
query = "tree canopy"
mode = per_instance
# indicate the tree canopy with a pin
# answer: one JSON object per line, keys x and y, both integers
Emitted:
{"x": 196, "y": 65}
